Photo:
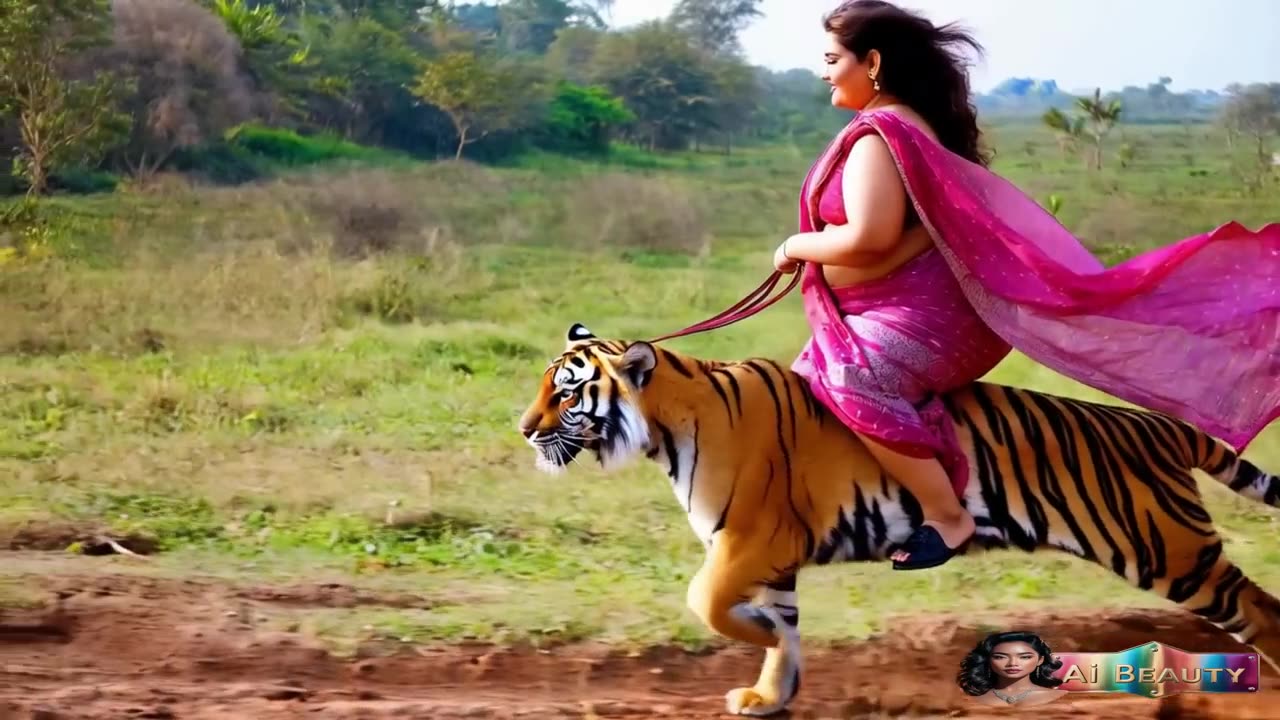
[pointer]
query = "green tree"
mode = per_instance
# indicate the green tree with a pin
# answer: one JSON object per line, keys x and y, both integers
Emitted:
{"x": 362, "y": 71}
{"x": 274, "y": 56}
{"x": 1066, "y": 129}
{"x": 736, "y": 97}
{"x": 479, "y": 94}
{"x": 1101, "y": 117}
{"x": 530, "y": 26}
{"x": 1252, "y": 112}
{"x": 572, "y": 55}
{"x": 716, "y": 23}
{"x": 62, "y": 121}
{"x": 663, "y": 78}
{"x": 581, "y": 118}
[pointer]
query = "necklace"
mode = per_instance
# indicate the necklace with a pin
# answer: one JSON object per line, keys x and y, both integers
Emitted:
{"x": 1011, "y": 699}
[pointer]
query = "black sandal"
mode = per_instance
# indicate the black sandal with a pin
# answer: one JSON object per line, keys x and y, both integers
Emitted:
{"x": 926, "y": 549}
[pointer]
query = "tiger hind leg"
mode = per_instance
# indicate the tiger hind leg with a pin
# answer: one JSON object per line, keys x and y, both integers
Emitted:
{"x": 1214, "y": 588}
{"x": 779, "y": 680}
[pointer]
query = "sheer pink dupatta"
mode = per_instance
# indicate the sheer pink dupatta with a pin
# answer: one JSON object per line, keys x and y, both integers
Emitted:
{"x": 1191, "y": 328}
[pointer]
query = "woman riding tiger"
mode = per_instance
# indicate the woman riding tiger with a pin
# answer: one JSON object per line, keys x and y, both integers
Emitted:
{"x": 923, "y": 270}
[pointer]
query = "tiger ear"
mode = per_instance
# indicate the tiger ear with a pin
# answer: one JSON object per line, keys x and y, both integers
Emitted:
{"x": 578, "y": 333}
{"x": 637, "y": 364}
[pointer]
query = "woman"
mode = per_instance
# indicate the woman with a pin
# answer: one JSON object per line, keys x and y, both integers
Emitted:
{"x": 922, "y": 270}
{"x": 1011, "y": 668}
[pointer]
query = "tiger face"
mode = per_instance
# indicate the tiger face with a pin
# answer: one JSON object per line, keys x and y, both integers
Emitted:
{"x": 588, "y": 399}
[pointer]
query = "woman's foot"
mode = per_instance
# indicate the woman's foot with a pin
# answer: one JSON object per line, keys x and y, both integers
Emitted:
{"x": 934, "y": 543}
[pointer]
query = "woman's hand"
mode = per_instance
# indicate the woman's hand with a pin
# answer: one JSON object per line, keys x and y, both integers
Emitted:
{"x": 781, "y": 262}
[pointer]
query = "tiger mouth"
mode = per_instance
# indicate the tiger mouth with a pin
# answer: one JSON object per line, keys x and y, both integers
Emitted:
{"x": 555, "y": 451}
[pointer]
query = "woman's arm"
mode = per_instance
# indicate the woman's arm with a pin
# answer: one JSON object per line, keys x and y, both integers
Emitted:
{"x": 875, "y": 203}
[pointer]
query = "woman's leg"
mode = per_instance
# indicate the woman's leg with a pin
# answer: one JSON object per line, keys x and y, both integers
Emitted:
{"x": 929, "y": 484}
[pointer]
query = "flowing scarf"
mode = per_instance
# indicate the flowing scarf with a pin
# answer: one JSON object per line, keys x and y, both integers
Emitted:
{"x": 1191, "y": 329}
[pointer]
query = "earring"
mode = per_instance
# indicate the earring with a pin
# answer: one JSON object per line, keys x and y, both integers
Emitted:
{"x": 875, "y": 84}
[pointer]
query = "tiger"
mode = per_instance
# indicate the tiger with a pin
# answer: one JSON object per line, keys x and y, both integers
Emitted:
{"x": 771, "y": 482}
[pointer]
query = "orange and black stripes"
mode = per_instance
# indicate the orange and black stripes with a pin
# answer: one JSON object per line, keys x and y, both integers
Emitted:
{"x": 751, "y": 456}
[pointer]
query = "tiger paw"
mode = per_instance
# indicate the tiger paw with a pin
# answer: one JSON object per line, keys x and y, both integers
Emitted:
{"x": 749, "y": 701}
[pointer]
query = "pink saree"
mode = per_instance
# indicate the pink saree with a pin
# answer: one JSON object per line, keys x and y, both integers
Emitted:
{"x": 1191, "y": 329}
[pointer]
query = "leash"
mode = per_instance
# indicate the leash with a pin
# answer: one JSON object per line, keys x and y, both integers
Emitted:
{"x": 753, "y": 303}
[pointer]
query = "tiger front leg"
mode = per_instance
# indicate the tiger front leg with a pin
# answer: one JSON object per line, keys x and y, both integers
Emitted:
{"x": 718, "y": 596}
{"x": 779, "y": 680}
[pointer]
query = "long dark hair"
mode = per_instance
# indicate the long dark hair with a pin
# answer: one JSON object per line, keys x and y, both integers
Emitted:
{"x": 976, "y": 676}
{"x": 920, "y": 64}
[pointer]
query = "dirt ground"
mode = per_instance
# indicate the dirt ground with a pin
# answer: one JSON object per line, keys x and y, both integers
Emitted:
{"x": 122, "y": 647}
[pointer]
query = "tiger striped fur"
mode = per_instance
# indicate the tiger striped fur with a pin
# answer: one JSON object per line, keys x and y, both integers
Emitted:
{"x": 772, "y": 482}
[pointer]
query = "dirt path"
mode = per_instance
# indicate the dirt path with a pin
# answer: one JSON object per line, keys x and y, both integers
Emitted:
{"x": 127, "y": 647}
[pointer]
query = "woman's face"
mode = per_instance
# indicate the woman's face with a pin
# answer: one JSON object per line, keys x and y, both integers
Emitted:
{"x": 1013, "y": 660}
{"x": 851, "y": 84}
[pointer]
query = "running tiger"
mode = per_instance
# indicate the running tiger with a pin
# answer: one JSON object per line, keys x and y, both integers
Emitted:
{"x": 772, "y": 482}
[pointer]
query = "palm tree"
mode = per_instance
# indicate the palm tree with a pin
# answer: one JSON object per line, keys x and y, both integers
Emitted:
{"x": 1102, "y": 118}
{"x": 1067, "y": 130}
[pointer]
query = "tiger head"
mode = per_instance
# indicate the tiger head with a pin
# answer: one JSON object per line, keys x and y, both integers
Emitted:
{"x": 589, "y": 399}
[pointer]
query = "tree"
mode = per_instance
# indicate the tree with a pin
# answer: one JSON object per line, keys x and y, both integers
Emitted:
{"x": 572, "y": 54}
{"x": 1253, "y": 112}
{"x": 667, "y": 82}
{"x": 363, "y": 70}
{"x": 737, "y": 95}
{"x": 187, "y": 86}
{"x": 479, "y": 94}
{"x": 581, "y": 118}
{"x": 274, "y": 57}
{"x": 1067, "y": 130}
{"x": 715, "y": 24}
{"x": 62, "y": 120}
{"x": 1101, "y": 118}
{"x": 530, "y": 26}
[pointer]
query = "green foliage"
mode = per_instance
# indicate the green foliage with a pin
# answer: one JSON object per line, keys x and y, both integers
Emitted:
{"x": 1101, "y": 116}
{"x": 716, "y": 23}
{"x": 665, "y": 80}
{"x": 289, "y": 149}
{"x": 1251, "y": 118}
{"x": 581, "y": 119}
{"x": 220, "y": 162}
{"x": 275, "y": 56}
{"x": 479, "y": 94}
{"x": 61, "y": 121}
{"x": 361, "y": 75}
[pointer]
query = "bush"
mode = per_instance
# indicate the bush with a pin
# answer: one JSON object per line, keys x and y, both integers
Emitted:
{"x": 580, "y": 119}
{"x": 221, "y": 163}
{"x": 289, "y": 149}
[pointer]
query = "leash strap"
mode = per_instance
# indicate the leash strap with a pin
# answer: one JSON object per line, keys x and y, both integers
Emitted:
{"x": 753, "y": 303}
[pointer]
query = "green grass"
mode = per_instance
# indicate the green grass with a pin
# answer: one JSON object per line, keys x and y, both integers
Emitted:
{"x": 226, "y": 372}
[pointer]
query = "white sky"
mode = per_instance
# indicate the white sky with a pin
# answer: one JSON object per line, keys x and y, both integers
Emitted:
{"x": 1080, "y": 43}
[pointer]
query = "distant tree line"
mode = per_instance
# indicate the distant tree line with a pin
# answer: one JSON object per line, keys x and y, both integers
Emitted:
{"x": 1249, "y": 115}
{"x": 1154, "y": 103}
{"x": 137, "y": 86}
{"x": 133, "y": 87}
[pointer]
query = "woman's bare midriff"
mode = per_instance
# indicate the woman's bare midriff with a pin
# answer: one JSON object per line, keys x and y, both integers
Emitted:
{"x": 914, "y": 242}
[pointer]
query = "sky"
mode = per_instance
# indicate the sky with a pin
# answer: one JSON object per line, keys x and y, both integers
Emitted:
{"x": 1079, "y": 43}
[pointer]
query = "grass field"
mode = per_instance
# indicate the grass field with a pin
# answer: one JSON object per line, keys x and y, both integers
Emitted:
{"x": 319, "y": 378}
